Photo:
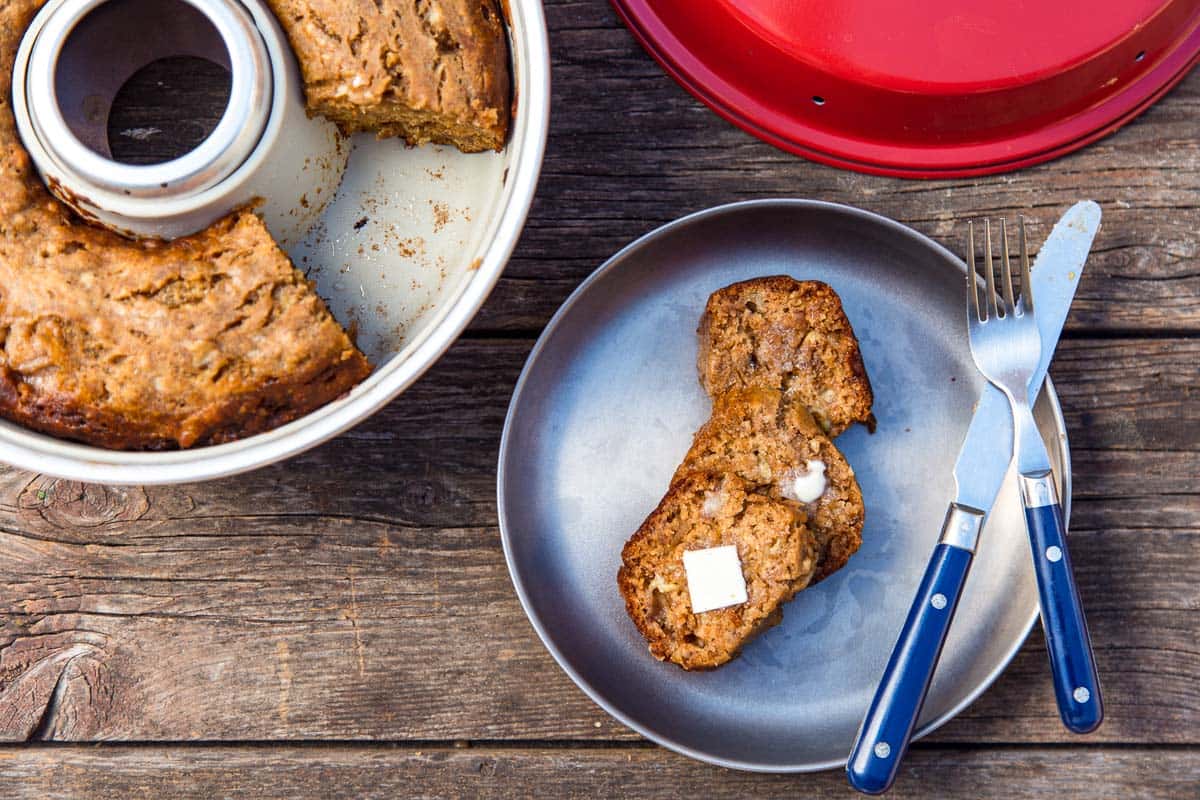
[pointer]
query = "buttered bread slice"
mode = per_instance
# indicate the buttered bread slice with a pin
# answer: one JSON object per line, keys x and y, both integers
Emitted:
{"x": 776, "y": 553}
{"x": 777, "y": 448}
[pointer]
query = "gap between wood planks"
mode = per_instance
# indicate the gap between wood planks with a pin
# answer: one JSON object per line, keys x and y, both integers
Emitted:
{"x": 366, "y": 745}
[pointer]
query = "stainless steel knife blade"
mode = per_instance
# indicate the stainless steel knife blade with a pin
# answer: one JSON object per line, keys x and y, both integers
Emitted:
{"x": 978, "y": 474}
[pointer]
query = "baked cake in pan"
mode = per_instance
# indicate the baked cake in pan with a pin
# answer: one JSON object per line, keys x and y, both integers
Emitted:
{"x": 215, "y": 337}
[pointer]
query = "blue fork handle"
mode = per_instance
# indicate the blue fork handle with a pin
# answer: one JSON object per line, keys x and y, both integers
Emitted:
{"x": 1076, "y": 685}
{"x": 888, "y": 726}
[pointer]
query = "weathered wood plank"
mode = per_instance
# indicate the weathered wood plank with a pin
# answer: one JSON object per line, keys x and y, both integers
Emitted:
{"x": 1131, "y": 394}
{"x": 665, "y": 154}
{"x": 366, "y": 773}
{"x": 354, "y": 631}
{"x": 359, "y": 591}
{"x": 428, "y": 459}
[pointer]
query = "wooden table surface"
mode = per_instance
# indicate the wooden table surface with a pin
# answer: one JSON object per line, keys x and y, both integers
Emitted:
{"x": 343, "y": 624}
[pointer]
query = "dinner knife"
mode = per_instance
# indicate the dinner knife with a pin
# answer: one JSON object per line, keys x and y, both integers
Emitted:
{"x": 978, "y": 475}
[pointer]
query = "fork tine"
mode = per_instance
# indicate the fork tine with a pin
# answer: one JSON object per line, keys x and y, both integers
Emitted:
{"x": 972, "y": 276}
{"x": 1006, "y": 274}
{"x": 1026, "y": 283}
{"x": 990, "y": 270}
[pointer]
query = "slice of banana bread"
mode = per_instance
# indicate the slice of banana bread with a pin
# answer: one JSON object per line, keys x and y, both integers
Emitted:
{"x": 778, "y": 556}
{"x": 769, "y": 443}
{"x": 426, "y": 70}
{"x": 793, "y": 336}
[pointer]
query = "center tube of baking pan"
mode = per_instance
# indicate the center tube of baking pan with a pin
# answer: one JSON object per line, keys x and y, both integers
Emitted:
{"x": 84, "y": 53}
{"x": 265, "y": 152}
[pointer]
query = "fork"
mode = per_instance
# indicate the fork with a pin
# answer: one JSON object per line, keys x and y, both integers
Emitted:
{"x": 1006, "y": 346}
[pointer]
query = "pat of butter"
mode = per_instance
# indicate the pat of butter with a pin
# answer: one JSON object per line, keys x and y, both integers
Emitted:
{"x": 807, "y": 486}
{"x": 714, "y": 578}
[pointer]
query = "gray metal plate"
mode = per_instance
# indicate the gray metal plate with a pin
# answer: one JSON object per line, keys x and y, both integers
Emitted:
{"x": 606, "y": 408}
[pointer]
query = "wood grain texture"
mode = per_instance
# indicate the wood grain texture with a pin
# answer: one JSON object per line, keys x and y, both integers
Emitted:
{"x": 359, "y": 591}
{"x": 281, "y": 772}
{"x": 167, "y": 109}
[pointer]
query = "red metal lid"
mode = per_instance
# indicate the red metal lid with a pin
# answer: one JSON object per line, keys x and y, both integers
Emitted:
{"x": 935, "y": 88}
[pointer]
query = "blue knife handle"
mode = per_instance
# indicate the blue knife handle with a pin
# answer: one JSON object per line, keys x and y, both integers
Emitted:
{"x": 888, "y": 726}
{"x": 1076, "y": 684}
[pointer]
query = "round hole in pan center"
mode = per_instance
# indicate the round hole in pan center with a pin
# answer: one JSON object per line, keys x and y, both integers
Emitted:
{"x": 112, "y": 48}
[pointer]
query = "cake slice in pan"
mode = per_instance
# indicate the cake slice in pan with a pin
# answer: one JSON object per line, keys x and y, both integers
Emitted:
{"x": 425, "y": 70}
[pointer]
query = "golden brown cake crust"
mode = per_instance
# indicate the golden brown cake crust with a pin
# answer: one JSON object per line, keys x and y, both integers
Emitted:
{"x": 426, "y": 70}
{"x": 764, "y": 440}
{"x": 702, "y": 510}
{"x": 789, "y": 335}
{"x": 139, "y": 345}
